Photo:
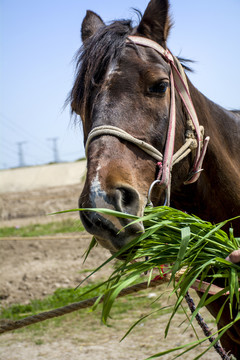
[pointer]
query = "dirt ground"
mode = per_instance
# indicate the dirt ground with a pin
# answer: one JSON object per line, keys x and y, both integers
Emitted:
{"x": 33, "y": 268}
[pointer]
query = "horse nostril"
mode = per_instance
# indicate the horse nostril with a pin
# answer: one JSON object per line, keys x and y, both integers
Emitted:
{"x": 127, "y": 200}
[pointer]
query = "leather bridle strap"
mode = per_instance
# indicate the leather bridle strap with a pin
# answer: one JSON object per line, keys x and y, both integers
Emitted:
{"x": 181, "y": 86}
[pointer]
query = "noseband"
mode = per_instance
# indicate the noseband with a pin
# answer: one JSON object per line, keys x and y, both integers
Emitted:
{"x": 193, "y": 137}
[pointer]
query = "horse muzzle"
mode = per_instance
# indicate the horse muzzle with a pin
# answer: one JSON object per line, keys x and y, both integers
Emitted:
{"x": 110, "y": 231}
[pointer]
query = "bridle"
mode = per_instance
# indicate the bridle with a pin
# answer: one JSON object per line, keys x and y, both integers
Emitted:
{"x": 194, "y": 135}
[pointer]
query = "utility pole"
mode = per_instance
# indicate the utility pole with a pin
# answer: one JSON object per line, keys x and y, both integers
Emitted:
{"x": 20, "y": 153}
{"x": 55, "y": 149}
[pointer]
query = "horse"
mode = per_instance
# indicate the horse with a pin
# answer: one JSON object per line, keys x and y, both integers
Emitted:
{"x": 124, "y": 94}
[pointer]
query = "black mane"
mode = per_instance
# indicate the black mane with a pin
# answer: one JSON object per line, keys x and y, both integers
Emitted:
{"x": 94, "y": 58}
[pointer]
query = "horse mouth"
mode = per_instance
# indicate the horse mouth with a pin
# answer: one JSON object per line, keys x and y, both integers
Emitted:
{"x": 107, "y": 233}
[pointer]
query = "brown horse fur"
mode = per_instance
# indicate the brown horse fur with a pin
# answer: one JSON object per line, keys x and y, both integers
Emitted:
{"x": 121, "y": 84}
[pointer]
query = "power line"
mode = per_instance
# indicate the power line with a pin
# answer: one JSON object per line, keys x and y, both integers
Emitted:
{"x": 6, "y": 151}
{"x": 7, "y": 147}
{"x": 19, "y": 130}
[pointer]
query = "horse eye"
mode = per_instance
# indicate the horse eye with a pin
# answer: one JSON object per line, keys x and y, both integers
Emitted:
{"x": 159, "y": 88}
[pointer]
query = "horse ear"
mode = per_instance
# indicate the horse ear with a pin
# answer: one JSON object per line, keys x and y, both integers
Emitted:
{"x": 91, "y": 23}
{"x": 155, "y": 23}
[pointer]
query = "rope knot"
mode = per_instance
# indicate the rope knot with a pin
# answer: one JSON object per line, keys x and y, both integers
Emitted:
{"x": 191, "y": 134}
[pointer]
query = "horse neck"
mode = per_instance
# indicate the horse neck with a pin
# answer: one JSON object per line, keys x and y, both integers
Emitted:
{"x": 216, "y": 195}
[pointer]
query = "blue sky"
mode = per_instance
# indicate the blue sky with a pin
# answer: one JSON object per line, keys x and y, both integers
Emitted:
{"x": 38, "y": 40}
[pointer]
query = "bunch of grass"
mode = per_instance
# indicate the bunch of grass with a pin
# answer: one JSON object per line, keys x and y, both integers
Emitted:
{"x": 184, "y": 242}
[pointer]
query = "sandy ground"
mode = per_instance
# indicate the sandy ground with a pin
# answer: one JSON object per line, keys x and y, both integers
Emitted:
{"x": 34, "y": 268}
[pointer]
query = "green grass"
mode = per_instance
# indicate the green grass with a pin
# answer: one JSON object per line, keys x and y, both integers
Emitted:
{"x": 51, "y": 228}
{"x": 185, "y": 242}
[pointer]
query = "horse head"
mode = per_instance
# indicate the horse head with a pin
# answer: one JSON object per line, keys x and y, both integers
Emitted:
{"x": 121, "y": 84}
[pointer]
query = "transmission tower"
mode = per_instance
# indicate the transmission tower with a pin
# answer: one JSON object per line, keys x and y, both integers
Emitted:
{"x": 55, "y": 149}
{"x": 20, "y": 153}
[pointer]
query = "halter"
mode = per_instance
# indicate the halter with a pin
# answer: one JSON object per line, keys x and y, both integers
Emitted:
{"x": 193, "y": 137}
